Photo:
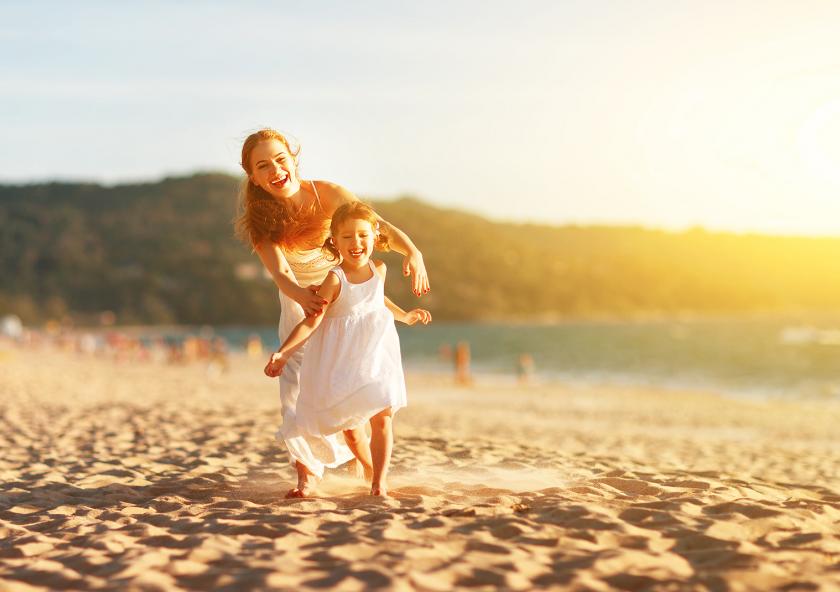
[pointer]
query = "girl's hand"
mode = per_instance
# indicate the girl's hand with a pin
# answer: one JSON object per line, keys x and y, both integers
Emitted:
{"x": 418, "y": 314}
{"x": 413, "y": 265}
{"x": 312, "y": 304}
{"x": 275, "y": 365}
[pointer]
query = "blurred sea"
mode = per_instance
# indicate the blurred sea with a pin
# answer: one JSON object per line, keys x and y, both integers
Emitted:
{"x": 753, "y": 357}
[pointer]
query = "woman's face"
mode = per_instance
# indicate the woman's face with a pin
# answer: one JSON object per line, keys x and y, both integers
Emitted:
{"x": 354, "y": 240}
{"x": 273, "y": 169}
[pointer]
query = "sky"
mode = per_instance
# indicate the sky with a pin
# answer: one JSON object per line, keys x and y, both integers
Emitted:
{"x": 663, "y": 113}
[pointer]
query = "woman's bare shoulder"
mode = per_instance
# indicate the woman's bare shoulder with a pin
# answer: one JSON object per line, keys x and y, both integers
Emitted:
{"x": 333, "y": 195}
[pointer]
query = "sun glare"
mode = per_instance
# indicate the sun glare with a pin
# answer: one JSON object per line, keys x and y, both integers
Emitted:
{"x": 818, "y": 143}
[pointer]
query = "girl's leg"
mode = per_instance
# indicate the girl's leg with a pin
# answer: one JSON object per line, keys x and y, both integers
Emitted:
{"x": 381, "y": 445}
{"x": 357, "y": 441}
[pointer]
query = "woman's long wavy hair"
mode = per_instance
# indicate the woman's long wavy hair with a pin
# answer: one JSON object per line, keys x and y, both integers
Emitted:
{"x": 261, "y": 218}
{"x": 355, "y": 210}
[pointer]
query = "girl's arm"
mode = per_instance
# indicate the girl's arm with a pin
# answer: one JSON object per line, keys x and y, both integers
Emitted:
{"x": 409, "y": 318}
{"x": 395, "y": 310}
{"x": 335, "y": 195}
{"x": 329, "y": 292}
{"x": 275, "y": 263}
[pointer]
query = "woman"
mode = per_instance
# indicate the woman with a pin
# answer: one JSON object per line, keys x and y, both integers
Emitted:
{"x": 286, "y": 220}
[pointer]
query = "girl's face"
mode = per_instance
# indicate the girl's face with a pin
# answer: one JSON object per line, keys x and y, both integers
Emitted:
{"x": 273, "y": 169}
{"x": 354, "y": 241}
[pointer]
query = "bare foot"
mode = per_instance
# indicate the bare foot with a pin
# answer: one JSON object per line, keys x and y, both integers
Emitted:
{"x": 379, "y": 491}
{"x": 302, "y": 490}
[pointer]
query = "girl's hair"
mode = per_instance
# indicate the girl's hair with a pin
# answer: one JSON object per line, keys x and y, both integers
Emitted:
{"x": 355, "y": 210}
{"x": 260, "y": 217}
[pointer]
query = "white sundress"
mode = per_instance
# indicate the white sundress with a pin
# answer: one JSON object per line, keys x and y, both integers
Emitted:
{"x": 310, "y": 266}
{"x": 352, "y": 369}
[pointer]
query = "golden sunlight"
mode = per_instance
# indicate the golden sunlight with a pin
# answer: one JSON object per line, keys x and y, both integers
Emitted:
{"x": 818, "y": 142}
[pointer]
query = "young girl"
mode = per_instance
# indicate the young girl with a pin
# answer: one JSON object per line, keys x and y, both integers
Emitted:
{"x": 352, "y": 372}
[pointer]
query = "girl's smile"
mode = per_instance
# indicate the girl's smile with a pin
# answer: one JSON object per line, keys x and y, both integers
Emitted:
{"x": 354, "y": 241}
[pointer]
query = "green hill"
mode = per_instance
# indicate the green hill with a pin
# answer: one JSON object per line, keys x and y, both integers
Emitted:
{"x": 164, "y": 252}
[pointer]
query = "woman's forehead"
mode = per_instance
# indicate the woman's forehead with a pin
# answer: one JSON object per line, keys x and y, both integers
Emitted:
{"x": 268, "y": 149}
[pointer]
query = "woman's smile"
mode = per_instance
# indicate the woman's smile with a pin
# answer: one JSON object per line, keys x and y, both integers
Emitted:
{"x": 280, "y": 181}
{"x": 274, "y": 169}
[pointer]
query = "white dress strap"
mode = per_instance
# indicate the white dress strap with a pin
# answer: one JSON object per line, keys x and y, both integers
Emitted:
{"x": 317, "y": 197}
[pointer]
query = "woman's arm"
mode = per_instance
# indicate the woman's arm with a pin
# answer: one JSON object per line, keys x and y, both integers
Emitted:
{"x": 275, "y": 263}
{"x": 335, "y": 195}
{"x": 413, "y": 263}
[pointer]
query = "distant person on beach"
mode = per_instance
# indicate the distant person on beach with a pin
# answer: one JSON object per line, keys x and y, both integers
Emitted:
{"x": 352, "y": 373}
{"x": 254, "y": 346}
{"x": 525, "y": 369}
{"x": 463, "y": 376}
{"x": 286, "y": 221}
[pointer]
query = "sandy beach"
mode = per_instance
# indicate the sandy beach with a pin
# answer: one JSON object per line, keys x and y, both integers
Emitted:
{"x": 155, "y": 477}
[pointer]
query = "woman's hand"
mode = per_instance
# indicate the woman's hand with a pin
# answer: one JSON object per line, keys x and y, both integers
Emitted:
{"x": 312, "y": 304}
{"x": 418, "y": 314}
{"x": 413, "y": 265}
{"x": 275, "y": 365}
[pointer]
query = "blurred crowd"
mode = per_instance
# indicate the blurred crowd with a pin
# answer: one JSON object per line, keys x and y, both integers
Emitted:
{"x": 203, "y": 346}
{"x": 128, "y": 346}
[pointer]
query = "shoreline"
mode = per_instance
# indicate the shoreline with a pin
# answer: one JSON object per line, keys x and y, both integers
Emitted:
{"x": 434, "y": 370}
{"x": 688, "y": 316}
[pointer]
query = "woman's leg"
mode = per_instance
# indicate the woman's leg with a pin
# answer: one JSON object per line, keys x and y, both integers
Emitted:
{"x": 357, "y": 441}
{"x": 305, "y": 484}
{"x": 381, "y": 445}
